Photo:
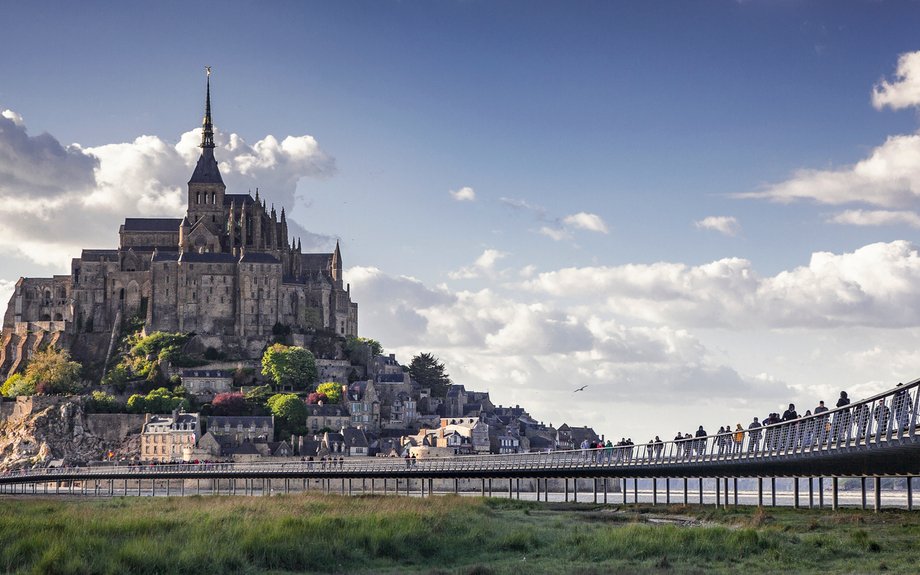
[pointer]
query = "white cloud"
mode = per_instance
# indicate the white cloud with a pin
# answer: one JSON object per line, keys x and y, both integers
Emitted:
{"x": 904, "y": 91}
{"x": 587, "y": 222}
{"x": 874, "y": 286}
{"x": 890, "y": 177}
{"x": 484, "y": 265}
{"x": 556, "y": 234}
{"x": 463, "y": 194}
{"x": 876, "y": 218}
{"x": 57, "y": 200}
{"x": 724, "y": 224}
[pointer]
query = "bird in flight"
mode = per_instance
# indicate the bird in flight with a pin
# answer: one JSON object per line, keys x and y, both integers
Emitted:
{"x": 582, "y": 388}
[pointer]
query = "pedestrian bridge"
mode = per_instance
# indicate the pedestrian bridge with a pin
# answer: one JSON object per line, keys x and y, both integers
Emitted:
{"x": 870, "y": 438}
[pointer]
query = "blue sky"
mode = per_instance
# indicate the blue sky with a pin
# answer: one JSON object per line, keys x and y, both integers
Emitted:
{"x": 639, "y": 189}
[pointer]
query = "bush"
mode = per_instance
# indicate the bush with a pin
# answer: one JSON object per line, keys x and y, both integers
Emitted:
{"x": 101, "y": 402}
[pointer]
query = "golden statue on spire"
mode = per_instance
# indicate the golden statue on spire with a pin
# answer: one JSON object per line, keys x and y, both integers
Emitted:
{"x": 208, "y": 68}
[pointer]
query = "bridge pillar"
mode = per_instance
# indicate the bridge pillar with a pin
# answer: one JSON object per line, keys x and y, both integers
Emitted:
{"x": 483, "y": 486}
{"x": 820, "y": 493}
{"x": 795, "y": 492}
{"x": 605, "y": 490}
{"x": 456, "y": 486}
{"x": 701, "y": 489}
{"x": 736, "y": 491}
{"x": 910, "y": 494}
{"x": 811, "y": 492}
{"x": 718, "y": 498}
{"x": 773, "y": 491}
{"x": 624, "y": 491}
{"x": 654, "y": 491}
{"x": 567, "y": 490}
{"x": 430, "y": 487}
{"x": 862, "y": 481}
{"x": 878, "y": 494}
{"x": 667, "y": 490}
{"x": 685, "y": 491}
{"x": 517, "y": 487}
{"x": 834, "y": 502}
{"x": 490, "y": 487}
{"x": 635, "y": 490}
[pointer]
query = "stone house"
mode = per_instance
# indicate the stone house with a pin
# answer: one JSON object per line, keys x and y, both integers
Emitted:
{"x": 333, "y": 416}
{"x": 164, "y": 437}
{"x": 206, "y": 383}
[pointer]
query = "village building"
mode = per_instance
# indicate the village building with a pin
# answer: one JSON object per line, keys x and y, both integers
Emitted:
{"x": 164, "y": 437}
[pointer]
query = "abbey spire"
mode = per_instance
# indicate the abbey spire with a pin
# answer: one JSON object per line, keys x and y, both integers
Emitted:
{"x": 207, "y": 129}
{"x": 207, "y": 172}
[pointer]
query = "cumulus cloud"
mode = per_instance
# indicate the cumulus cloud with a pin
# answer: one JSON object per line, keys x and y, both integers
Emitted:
{"x": 873, "y": 286}
{"x": 904, "y": 91}
{"x": 889, "y": 177}
{"x": 876, "y": 218}
{"x": 484, "y": 265}
{"x": 531, "y": 352}
{"x": 58, "y": 199}
{"x": 463, "y": 194}
{"x": 724, "y": 224}
{"x": 587, "y": 222}
{"x": 557, "y": 235}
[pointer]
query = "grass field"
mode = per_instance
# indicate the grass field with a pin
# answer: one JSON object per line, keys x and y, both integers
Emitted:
{"x": 441, "y": 535}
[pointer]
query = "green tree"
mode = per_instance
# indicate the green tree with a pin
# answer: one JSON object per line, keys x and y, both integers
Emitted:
{"x": 101, "y": 402}
{"x": 332, "y": 390}
{"x": 17, "y": 385}
{"x": 293, "y": 366}
{"x": 429, "y": 372}
{"x": 360, "y": 350}
{"x": 53, "y": 372}
{"x": 288, "y": 407}
{"x": 137, "y": 404}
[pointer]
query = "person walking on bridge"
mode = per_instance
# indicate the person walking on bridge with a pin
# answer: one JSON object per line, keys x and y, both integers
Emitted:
{"x": 821, "y": 425}
{"x": 701, "y": 441}
{"x": 738, "y": 438}
{"x": 754, "y": 430}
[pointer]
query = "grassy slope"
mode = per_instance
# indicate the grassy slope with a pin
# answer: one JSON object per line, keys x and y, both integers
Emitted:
{"x": 377, "y": 534}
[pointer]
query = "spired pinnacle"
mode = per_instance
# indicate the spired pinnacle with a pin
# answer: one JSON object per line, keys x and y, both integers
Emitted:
{"x": 207, "y": 130}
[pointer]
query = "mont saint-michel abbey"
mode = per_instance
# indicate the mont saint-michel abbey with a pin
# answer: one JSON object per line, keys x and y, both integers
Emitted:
{"x": 225, "y": 271}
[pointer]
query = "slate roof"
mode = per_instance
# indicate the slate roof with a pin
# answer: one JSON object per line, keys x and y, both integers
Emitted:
{"x": 217, "y": 423}
{"x": 205, "y": 373}
{"x": 334, "y": 410}
{"x": 258, "y": 258}
{"x": 152, "y": 224}
{"x": 166, "y": 256}
{"x": 208, "y": 258}
{"x": 240, "y": 199}
{"x": 354, "y": 437}
{"x": 99, "y": 255}
{"x": 391, "y": 378}
{"x": 206, "y": 170}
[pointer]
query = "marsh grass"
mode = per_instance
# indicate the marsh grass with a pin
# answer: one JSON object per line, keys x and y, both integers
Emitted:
{"x": 310, "y": 533}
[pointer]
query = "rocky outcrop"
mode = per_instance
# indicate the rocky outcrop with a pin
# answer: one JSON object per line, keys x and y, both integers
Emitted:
{"x": 63, "y": 431}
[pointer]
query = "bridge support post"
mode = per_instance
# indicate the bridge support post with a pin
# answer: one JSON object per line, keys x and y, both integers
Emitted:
{"x": 490, "y": 487}
{"x": 795, "y": 492}
{"x": 685, "y": 491}
{"x": 517, "y": 487}
{"x": 566, "y": 489}
{"x": 773, "y": 491}
{"x": 483, "y": 487}
{"x": 834, "y": 493}
{"x": 910, "y": 494}
{"x": 725, "y": 484}
{"x": 605, "y": 490}
{"x": 667, "y": 490}
{"x": 624, "y": 491}
{"x": 878, "y": 494}
{"x": 635, "y": 490}
{"x": 654, "y": 491}
{"x": 510, "y": 491}
{"x": 701, "y": 489}
{"x": 736, "y": 491}
{"x": 862, "y": 482}
{"x": 820, "y": 493}
{"x": 430, "y": 487}
{"x": 138, "y": 486}
{"x": 718, "y": 498}
{"x": 811, "y": 492}
{"x": 198, "y": 490}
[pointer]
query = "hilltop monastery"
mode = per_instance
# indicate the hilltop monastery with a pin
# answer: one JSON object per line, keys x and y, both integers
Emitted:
{"x": 226, "y": 271}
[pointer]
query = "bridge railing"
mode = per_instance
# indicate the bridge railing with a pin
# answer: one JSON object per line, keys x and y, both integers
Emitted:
{"x": 871, "y": 423}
